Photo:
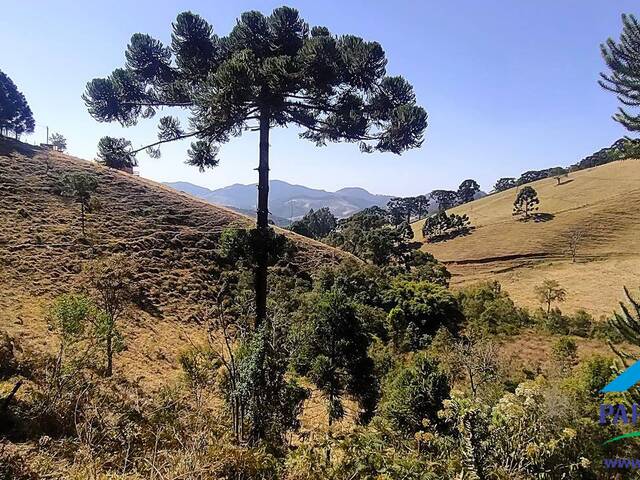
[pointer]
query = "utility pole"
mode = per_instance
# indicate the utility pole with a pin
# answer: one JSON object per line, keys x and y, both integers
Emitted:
{"x": 47, "y": 135}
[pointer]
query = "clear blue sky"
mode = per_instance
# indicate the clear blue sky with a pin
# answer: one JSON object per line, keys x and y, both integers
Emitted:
{"x": 509, "y": 85}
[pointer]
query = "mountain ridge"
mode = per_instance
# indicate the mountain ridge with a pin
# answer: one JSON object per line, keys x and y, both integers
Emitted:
{"x": 287, "y": 201}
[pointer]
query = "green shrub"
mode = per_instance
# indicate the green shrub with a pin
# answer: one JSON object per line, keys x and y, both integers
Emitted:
{"x": 602, "y": 330}
{"x": 565, "y": 353}
{"x": 417, "y": 310}
{"x": 362, "y": 454}
{"x": 528, "y": 434}
{"x": 587, "y": 380}
{"x": 489, "y": 309}
{"x": 414, "y": 393}
{"x": 581, "y": 324}
{"x": 553, "y": 322}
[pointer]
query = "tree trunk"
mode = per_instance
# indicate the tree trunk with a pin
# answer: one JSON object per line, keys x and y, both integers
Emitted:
{"x": 109, "y": 370}
{"x": 6, "y": 401}
{"x": 328, "y": 452}
{"x": 260, "y": 278}
{"x": 82, "y": 217}
{"x": 472, "y": 448}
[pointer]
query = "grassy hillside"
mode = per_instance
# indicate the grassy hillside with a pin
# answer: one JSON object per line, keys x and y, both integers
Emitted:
{"x": 171, "y": 235}
{"x": 602, "y": 202}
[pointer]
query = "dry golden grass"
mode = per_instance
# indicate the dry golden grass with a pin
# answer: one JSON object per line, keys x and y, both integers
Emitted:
{"x": 172, "y": 237}
{"x": 602, "y": 202}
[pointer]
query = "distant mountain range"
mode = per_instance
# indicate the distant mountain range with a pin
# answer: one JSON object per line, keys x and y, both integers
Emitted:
{"x": 286, "y": 201}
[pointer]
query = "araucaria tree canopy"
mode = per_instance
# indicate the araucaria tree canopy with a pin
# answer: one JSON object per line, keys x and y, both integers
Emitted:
{"x": 623, "y": 59}
{"x": 15, "y": 114}
{"x": 269, "y": 71}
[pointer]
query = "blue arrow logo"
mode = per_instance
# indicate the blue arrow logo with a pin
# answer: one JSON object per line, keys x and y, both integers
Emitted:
{"x": 625, "y": 380}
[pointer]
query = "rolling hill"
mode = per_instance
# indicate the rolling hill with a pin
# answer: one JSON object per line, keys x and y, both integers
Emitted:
{"x": 287, "y": 201}
{"x": 171, "y": 235}
{"x": 602, "y": 202}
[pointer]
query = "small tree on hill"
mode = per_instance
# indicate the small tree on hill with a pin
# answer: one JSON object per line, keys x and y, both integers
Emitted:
{"x": 333, "y": 354}
{"x": 15, "y": 114}
{"x": 549, "y": 292}
{"x": 565, "y": 353}
{"x": 269, "y": 71}
{"x": 526, "y": 202}
{"x": 472, "y": 356}
{"x": 467, "y": 191}
{"x": 445, "y": 199}
{"x": 574, "y": 238}
{"x": 116, "y": 153}
{"x": 70, "y": 316}
{"x": 112, "y": 282}
{"x": 58, "y": 141}
{"x": 505, "y": 183}
{"x": 623, "y": 60}
{"x": 80, "y": 187}
{"x": 413, "y": 393}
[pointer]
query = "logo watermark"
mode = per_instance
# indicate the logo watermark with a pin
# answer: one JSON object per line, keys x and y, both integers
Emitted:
{"x": 615, "y": 414}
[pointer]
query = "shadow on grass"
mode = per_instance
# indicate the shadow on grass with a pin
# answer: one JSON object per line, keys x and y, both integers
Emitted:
{"x": 10, "y": 145}
{"x": 565, "y": 182}
{"x": 538, "y": 217}
{"x": 542, "y": 217}
{"x": 448, "y": 236}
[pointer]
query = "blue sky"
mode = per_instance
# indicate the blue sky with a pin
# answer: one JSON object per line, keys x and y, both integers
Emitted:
{"x": 509, "y": 85}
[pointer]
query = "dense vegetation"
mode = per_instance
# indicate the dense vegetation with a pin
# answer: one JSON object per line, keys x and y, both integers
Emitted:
{"x": 409, "y": 375}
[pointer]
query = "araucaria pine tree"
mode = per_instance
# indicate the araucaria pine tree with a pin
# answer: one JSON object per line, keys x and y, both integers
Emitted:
{"x": 80, "y": 187}
{"x": 15, "y": 114}
{"x": 270, "y": 71}
{"x": 627, "y": 321}
{"x": 623, "y": 59}
{"x": 58, "y": 141}
{"x": 116, "y": 153}
{"x": 468, "y": 190}
{"x": 526, "y": 202}
{"x": 440, "y": 226}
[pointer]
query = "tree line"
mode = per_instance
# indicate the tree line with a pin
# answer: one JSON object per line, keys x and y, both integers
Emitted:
{"x": 378, "y": 234}
{"x": 407, "y": 209}
{"x": 621, "y": 149}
